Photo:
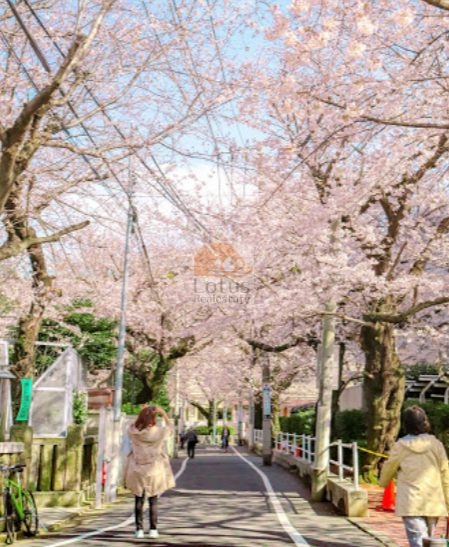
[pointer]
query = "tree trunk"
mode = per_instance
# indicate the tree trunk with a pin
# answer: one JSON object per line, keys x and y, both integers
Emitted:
{"x": 275, "y": 411}
{"x": 383, "y": 388}
{"x": 24, "y": 351}
{"x": 29, "y": 324}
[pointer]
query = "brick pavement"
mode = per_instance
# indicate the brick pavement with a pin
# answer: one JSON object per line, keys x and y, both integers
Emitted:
{"x": 386, "y": 523}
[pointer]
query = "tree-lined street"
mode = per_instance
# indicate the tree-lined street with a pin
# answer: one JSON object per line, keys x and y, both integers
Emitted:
{"x": 220, "y": 500}
{"x": 212, "y": 202}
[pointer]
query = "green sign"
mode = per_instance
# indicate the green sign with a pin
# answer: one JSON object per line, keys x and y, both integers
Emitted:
{"x": 25, "y": 402}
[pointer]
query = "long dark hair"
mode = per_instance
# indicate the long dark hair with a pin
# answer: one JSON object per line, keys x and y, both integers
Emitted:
{"x": 146, "y": 418}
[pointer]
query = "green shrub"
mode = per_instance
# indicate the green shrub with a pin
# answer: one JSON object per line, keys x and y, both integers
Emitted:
{"x": 413, "y": 372}
{"x": 300, "y": 423}
{"x": 201, "y": 430}
{"x": 129, "y": 408}
{"x": 219, "y": 430}
{"x": 350, "y": 425}
{"x": 79, "y": 408}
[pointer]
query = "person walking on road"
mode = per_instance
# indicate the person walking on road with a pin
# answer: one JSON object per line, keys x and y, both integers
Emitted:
{"x": 191, "y": 439}
{"x": 225, "y": 434}
{"x": 420, "y": 463}
{"x": 148, "y": 472}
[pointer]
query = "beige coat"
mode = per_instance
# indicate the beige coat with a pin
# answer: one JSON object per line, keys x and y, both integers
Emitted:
{"x": 148, "y": 467}
{"x": 421, "y": 465}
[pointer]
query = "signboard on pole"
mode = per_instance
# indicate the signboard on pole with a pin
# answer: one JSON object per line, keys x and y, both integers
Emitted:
{"x": 25, "y": 401}
{"x": 266, "y": 400}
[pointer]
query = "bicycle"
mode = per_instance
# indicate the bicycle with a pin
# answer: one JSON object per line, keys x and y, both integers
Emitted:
{"x": 19, "y": 507}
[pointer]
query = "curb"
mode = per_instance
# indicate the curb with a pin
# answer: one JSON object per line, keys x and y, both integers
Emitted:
{"x": 382, "y": 538}
{"x": 63, "y": 522}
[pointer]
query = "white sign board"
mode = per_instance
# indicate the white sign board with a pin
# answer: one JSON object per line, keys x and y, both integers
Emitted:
{"x": 266, "y": 400}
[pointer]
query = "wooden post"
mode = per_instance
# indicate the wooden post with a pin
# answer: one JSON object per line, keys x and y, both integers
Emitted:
{"x": 74, "y": 457}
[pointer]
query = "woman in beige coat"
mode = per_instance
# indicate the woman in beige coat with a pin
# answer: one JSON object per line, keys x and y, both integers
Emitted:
{"x": 148, "y": 470}
{"x": 420, "y": 462}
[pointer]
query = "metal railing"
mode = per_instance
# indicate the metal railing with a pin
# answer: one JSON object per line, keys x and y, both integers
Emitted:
{"x": 258, "y": 436}
{"x": 303, "y": 447}
{"x": 339, "y": 462}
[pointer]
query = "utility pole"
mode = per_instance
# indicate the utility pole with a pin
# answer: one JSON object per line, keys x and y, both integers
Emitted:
{"x": 324, "y": 410}
{"x": 177, "y": 412}
{"x": 240, "y": 420}
{"x": 267, "y": 451}
{"x": 250, "y": 435}
{"x": 122, "y": 324}
{"x": 112, "y": 480}
{"x": 214, "y": 421}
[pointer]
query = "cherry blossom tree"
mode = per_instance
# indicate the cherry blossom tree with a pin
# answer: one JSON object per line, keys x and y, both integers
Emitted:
{"x": 83, "y": 88}
{"x": 357, "y": 150}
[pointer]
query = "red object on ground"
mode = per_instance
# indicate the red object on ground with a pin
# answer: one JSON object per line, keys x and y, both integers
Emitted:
{"x": 103, "y": 474}
{"x": 298, "y": 451}
{"x": 389, "y": 498}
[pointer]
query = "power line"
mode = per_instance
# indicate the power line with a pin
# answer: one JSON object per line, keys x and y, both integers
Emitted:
{"x": 170, "y": 193}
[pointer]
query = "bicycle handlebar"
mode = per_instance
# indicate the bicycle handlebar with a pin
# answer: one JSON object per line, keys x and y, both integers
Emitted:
{"x": 16, "y": 467}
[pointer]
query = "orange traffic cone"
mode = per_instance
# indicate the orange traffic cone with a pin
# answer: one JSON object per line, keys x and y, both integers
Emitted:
{"x": 389, "y": 498}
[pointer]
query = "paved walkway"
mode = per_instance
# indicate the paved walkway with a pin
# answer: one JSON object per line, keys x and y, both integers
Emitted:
{"x": 221, "y": 499}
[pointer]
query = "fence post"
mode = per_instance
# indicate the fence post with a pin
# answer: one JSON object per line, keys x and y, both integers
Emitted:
{"x": 100, "y": 456}
{"x": 340, "y": 459}
{"x": 355, "y": 464}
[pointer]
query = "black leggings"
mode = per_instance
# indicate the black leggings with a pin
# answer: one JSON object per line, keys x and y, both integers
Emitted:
{"x": 138, "y": 511}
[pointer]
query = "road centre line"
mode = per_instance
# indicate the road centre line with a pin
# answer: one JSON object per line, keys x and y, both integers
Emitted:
{"x": 296, "y": 537}
{"x": 126, "y": 522}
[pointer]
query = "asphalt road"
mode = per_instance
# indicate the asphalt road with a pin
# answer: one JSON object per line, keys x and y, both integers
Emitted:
{"x": 221, "y": 499}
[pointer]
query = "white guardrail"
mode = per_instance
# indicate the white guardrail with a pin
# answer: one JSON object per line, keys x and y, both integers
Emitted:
{"x": 303, "y": 446}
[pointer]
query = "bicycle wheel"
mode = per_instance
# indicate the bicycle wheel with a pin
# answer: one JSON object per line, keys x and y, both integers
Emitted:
{"x": 30, "y": 518}
{"x": 9, "y": 518}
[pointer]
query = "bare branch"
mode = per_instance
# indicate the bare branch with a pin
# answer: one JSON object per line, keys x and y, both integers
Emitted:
{"x": 13, "y": 247}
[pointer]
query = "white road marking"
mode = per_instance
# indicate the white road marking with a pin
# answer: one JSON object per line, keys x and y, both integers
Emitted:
{"x": 296, "y": 537}
{"x": 126, "y": 522}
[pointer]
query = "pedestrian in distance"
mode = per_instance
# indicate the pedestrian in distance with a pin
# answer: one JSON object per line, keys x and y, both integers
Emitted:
{"x": 148, "y": 472}
{"x": 192, "y": 440}
{"x": 182, "y": 438}
{"x": 225, "y": 434}
{"x": 420, "y": 463}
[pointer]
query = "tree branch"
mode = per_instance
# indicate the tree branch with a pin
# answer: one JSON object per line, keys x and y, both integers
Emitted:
{"x": 401, "y": 317}
{"x": 15, "y": 246}
{"x": 277, "y": 349}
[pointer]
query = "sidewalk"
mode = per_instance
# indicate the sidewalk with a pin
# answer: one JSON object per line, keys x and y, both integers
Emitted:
{"x": 385, "y": 524}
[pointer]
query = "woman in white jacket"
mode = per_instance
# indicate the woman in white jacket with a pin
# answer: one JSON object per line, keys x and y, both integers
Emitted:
{"x": 420, "y": 463}
{"x": 148, "y": 471}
